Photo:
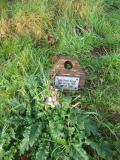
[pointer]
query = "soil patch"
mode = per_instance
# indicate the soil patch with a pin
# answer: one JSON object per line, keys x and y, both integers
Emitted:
{"x": 114, "y": 117}
{"x": 79, "y": 30}
{"x": 102, "y": 50}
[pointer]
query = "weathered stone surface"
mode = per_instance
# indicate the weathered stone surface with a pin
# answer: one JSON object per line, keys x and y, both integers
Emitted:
{"x": 60, "y": 69}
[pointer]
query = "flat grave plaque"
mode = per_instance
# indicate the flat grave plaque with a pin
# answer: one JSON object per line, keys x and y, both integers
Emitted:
{"x": 67, "y": 74}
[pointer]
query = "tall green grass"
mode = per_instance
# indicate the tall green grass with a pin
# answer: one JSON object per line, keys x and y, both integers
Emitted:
{"x": 26, "y": 57}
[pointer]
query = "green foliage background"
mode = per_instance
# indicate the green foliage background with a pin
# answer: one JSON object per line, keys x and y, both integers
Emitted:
{"x": 28, "y": 126}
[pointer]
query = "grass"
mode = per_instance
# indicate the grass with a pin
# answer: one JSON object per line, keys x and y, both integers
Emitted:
{"x": 25, "y": 55}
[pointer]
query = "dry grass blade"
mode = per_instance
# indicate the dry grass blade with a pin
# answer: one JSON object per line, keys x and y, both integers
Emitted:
{"x": 5, "y": 28}
{"x": 81, "y": 8}
{"x": 31, "y": 23}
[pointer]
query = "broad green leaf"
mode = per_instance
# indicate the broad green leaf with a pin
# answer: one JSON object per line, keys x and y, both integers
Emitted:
{"x": 79, "y": 153}
{"x": 24, "y": 146}
{"x": 35, "y": 131}
{"x": 56, "y": 128}
{"x": 102, "y": 148}
{"x": 42, "y": 152}
{"x": 91, "y": 128}
{"x": 30, "y": 136}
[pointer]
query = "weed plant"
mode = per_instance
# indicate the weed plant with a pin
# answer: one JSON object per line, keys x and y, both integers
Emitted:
{"x": 28, "y": 125}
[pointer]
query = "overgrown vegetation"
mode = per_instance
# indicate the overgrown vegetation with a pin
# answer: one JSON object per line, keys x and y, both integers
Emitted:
{"x": 78, "y": 128}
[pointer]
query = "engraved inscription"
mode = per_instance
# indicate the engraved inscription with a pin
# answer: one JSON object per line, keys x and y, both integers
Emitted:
{"x": 67, "y": 83}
